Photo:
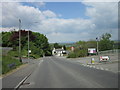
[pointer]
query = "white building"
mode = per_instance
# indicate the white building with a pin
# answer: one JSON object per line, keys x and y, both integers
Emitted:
{"x": 58, "y": 52}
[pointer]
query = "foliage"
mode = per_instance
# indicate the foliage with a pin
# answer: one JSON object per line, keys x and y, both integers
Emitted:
{"x": 105, "y": 43}
{"x": 78, "y": 52}
{"x": 6, "y": 61}
{"x": 64, "y": 47}
{"x": 56, "y": 45}
{"x": 81, "y": 46}
{"x": 72, "y": 55}
{"x": 92, "y": 44}
{"x": 38, "y": 43}
{"x": 6, "y": 39}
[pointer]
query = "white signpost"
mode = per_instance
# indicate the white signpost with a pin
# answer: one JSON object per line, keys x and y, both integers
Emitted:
{"x": 29, "y": 51}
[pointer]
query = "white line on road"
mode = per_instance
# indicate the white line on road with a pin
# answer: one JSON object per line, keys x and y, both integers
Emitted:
{"x": 87, "y": 65}
{"x": 90, "y": 66}
{"x": 106, "y": 69}
{"x": 21, "y": 82}
{"x": 97, "y": 68}
{"x": 93, "y": 66}
{"x": 101, "y": 68}
{"x": 40, "y": 62}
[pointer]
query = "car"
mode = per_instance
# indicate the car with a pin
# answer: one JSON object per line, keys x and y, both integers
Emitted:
{"x": 104, "y": 58}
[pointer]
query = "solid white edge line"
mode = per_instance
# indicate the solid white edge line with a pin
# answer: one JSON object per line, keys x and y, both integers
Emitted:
{"x": 20, "y": 83}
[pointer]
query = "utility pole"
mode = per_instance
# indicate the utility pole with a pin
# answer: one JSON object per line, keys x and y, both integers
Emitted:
{"x": 28, "y": 43}
{"x": 97, "y": 45}
{"x": 20, "y": 40}
{"x": 29, "y": 51}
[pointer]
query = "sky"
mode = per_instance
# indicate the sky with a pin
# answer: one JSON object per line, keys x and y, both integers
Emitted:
{"x": 62, "y": 21}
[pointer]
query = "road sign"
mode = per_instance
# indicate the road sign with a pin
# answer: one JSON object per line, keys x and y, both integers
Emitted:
{"x": 29, "y": 51}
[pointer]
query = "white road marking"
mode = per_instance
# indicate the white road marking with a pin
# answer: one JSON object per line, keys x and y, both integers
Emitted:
{"x": 97, "y": 68}
{"x": 101, "y": 68}
{"x": 87, "y": 65}
{"x": 21, "y": 82}
{"x": 83, "y": 64}
{"x": 90, "y": 66}
{"x": 93, "y": 66}
{"x": 106, "y": 69}
{"x": 40, "y": 62}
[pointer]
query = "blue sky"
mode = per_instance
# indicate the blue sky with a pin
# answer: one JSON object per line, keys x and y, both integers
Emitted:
{"x": 64, "y": 9}
{"x": 63, "y": 21}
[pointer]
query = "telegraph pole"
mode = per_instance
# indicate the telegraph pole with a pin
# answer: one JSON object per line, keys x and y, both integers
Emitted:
{"x": 28, "y": 43}
{"x": 20, "y": 40}
{"x": 97, "y": 45}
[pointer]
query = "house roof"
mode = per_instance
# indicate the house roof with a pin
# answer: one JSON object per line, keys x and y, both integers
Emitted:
{"x": 59, "y": 50}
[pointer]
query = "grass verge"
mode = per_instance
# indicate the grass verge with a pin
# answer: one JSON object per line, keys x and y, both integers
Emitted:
{"x": 9, "y": 63}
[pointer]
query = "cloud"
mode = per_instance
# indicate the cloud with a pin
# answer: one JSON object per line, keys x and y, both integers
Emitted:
{"x": 11, "y": 12}
{"x": 0, "y": 14}
{"x": 104, "y": 16}
{"x": 35, "y": 4}
{"x": 66, "y": 37}
{"x": 65, "y": 25}
{"x": 100, "y": 0}
{"x": 101, "y": 19}
{"x": 49, "y": 14}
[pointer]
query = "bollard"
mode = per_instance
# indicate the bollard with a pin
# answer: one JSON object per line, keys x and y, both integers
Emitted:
{"x": 92, "y": 61}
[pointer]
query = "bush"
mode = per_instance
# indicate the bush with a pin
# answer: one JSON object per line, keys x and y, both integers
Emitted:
{"x": 34, "y": 56}
{"x": 78, "y": 53}
{"x": 13, "y": 53}
{"x": 7, "y": 61}
{"x": 72, "y": 55}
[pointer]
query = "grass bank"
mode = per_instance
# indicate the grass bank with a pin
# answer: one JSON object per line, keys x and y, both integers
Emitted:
{"x": 9, "y": 63}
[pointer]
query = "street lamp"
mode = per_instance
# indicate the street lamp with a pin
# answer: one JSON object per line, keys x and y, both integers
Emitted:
{"x": 20, "y": 40}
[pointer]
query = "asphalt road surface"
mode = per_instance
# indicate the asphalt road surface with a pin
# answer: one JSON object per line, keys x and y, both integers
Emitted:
{"x": 53, "y": 72}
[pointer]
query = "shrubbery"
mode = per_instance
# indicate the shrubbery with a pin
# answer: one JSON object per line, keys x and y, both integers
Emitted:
{"x": 7, "y": 61}
{"x": 72, "y": 55}
{"x": 78, "y": 53}
{"x": 38, "y": 44}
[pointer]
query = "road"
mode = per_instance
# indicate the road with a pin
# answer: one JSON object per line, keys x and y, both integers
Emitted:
{"x": 12, "y": 80}
{"x": 53, "y": 72}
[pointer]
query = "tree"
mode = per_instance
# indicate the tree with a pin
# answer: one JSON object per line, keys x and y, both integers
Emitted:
{"x": 91, "y": 44}
{"x": 64, "y": 47}
{"x": 105, "y": 43}
{"x": 38, "y": 42}
{"x": 56, "y": 45}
